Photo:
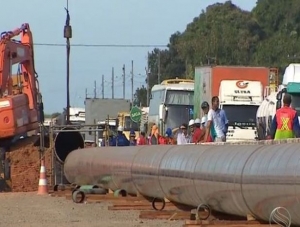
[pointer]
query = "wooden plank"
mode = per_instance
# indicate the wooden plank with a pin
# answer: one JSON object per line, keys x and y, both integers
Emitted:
{"x": 222, "y": 223}
{"x": 168, "y": 215}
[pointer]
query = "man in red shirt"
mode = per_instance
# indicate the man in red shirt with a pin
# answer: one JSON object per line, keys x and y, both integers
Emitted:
{"x": 142, "y": 139}
{"x": 198, "y": 133}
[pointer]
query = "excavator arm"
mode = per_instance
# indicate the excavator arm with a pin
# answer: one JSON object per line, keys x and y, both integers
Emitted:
{"x": 18, "y": 52}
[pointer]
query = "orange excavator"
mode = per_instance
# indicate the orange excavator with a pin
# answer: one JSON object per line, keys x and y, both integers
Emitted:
{"x": 21, "y": 106}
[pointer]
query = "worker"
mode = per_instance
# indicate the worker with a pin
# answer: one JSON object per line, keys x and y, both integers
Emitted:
{"x": 154, "y": 135}
{"x": 120, "y": 140}
{"x": 217, "y": 123}
{"x": 183, "y": 136}
{"x": 107, "y": 141}
{"x": 132, "y": 140}
{"x": 167, "y": 139}
{"x": 285, "y": 123}
{"x": 205, "y": 109}
{"x": 198, "y": 133}
{"x": 141, "y": 140}
{"x": 191, "y": 129}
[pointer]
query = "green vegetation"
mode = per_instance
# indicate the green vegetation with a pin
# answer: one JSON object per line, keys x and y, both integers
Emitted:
{"x": 224, "y": 34}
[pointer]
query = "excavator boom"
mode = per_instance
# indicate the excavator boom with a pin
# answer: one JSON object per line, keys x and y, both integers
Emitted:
{"x": 20, "y": 102}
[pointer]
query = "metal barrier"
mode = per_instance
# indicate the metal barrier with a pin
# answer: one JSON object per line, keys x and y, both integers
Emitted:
{"x": 63, "y": 140}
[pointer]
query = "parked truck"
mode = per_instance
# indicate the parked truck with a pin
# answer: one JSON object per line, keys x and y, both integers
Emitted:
{"x": 171, "y": 104}
{"x": 127, "y": 124}
{"x": 125, "y": 121}
{"x": 266, "y": 111}
{"x": 240, "y": 90}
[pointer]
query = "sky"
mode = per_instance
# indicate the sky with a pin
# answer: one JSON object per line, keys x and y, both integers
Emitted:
{"x": 100, "y": 22}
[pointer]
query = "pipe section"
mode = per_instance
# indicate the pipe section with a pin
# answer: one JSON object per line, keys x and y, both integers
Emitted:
{"x": 66, "y": 142}
{"x": 233, "y": 179}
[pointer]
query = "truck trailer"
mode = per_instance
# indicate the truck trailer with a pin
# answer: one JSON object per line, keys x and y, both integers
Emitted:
{"x": 240, "y": 89}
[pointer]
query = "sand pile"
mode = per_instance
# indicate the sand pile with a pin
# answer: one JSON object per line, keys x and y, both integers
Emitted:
{"x": 25, "y": 166}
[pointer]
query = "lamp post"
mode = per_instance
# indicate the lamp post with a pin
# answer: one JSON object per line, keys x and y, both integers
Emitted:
{"x": 68, "y": 36}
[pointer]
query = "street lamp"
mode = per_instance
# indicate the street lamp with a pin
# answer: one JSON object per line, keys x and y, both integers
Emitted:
{"x": 68, "y": 36}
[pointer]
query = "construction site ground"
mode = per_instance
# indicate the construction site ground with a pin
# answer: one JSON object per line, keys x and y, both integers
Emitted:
{"x": 31, "y": 210}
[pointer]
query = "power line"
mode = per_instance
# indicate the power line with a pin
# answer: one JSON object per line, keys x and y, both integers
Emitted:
{"x": 101, "y": 45}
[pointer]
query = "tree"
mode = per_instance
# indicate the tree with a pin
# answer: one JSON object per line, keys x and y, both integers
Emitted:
{"x": 224, "y": 34}
{"x": 141, "y": 96}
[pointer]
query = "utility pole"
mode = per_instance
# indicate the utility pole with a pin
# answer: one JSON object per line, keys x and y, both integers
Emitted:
{"x": 158, "y": 68}
{"x": 102, "y": 89}
{"x": 86, "y": 94}
{"x": 113, "y": 83}
{"x": 132, "y": 88}
{"x": 95, "y": 89}
{"x": 68, "y": 36}
{"x": 123, "y": 81}
{"x": 148, "y": 78}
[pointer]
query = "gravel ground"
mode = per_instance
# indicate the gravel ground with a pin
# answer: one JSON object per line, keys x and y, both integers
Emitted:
{"x": 31, "y": 210}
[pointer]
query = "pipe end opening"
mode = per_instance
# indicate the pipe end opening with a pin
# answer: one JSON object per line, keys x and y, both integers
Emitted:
{"x": 66, "y": 142}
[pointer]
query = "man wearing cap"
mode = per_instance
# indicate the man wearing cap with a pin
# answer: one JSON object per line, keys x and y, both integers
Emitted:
{"x": 191, "y": 126}
{"x": 183, "y": 137}
{"x": 285, "y": 123}
{"x": 120, "y": 140}
{"x": 198, "y": 133}
{"x": 132, "y": 140}
{"x": 205, "y": 109}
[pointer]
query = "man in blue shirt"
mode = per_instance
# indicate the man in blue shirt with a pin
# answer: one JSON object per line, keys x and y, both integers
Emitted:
{"x": 120, "y": 140}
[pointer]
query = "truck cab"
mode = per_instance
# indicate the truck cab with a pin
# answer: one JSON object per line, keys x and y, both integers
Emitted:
{"x": 240, "y": 101}
{"x": 128, "y": 125}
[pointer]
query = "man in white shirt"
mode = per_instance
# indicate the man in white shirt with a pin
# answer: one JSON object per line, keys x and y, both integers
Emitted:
{"x": 183, "y": 137}
{"x": 217, "y": 119}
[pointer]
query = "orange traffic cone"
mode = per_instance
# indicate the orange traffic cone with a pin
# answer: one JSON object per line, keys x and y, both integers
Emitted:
{"x": 43, "y": 189}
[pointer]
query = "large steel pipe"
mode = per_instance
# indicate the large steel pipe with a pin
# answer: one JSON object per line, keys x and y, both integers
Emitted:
{"x": 66, "y": 141}
{"x": 234, "y": 179}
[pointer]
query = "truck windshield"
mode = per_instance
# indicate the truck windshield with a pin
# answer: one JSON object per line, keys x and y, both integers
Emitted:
{"x": 178, "y": 115}
{"x": 130, "y": 125}
{"x": 296, "y": 103}
{"x": 241, "y": 115}
{"x": 179, "y": 97}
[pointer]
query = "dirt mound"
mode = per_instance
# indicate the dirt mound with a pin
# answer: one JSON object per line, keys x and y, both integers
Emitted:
{"x": 25, "y": 165}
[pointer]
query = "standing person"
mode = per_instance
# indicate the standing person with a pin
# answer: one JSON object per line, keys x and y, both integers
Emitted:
{"x": 132, "y": 140}
{"x": 211, "y": 132}
{"x": 142, "y": 139}
{"x": 183, "y": 136}
{"x": 120, "y": 140}
{"x": 191, "y": 127}
{"x": 154, "y": 135}
{"x": 167, "y": 139}
{"x": 216, "y": 120}
{"x": 198, "y": 133}
{"x": 285, "y": 123}
{"x": 205, "y": 109}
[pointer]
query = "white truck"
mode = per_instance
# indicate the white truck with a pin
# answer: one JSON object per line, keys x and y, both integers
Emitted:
{"x": 171, "y": 104}
{"x": 273, "y": 99}
{"x": 240, "y": 101}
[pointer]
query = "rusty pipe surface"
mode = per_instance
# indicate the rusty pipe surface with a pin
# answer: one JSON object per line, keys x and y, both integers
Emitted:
{"x": 233, "y": 179}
